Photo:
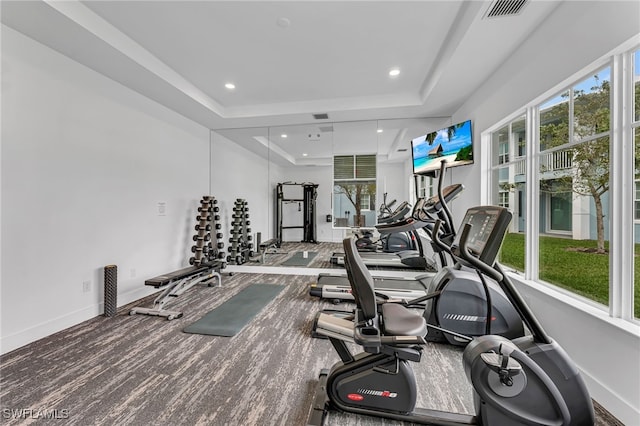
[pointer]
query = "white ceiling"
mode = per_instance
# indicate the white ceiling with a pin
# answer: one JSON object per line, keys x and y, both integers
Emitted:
{"x": 289, "y": 60}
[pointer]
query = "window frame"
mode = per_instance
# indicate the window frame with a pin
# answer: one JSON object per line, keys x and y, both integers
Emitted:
{"x": 622, "y": 195}
{"x": 354, "y": 178}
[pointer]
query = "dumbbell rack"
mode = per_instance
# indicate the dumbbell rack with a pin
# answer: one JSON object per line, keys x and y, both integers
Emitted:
{"x": 240, "y": 245}
{"x": 206, "y": 248}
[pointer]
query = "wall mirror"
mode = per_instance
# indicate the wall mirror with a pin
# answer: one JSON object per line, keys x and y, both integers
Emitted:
{"x": 356, "y": 166}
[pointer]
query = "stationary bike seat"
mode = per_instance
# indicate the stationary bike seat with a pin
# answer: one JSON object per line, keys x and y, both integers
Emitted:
{"x": 400, "y": 321}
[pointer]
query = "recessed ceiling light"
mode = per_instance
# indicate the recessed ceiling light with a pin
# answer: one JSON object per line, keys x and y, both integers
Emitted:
{"x": 283, "y": 22}
{"x": 379, "y": 130}
{"x": 394, "y": 72}
{"x": 305, "y": 154}
{"x": 284, "y": 135}
{"x": 230, "y": 86}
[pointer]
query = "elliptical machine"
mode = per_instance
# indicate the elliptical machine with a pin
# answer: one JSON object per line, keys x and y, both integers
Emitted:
{"x": 526, "y": 381}
{"x": 388, "y": 242}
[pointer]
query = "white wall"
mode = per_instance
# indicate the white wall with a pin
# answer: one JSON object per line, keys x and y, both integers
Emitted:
{"x": 577, "y": 34}
{"x": 393, "y": 180}
{"x": 239, "y": 173}
{"x": 84, "y": 163}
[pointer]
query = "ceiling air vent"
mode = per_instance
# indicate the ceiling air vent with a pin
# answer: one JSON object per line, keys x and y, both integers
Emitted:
{"x": 323, "y": 116}
{"x": 325, "y": 129}
{"x": 505, "y": 8}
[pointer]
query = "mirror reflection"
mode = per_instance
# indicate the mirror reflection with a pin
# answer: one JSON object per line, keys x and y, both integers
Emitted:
{"x": 325, "y": 180}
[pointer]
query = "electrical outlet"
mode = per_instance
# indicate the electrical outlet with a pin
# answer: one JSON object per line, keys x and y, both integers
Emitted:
{"x": 86, "y": 286}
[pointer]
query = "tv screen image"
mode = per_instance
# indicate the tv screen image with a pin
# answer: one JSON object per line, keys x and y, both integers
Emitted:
{"x": 453, "y": 144}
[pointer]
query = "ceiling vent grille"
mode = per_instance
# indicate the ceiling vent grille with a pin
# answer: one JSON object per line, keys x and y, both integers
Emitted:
{"x": 323, "y": 116}
{"x": 505, "y": 8}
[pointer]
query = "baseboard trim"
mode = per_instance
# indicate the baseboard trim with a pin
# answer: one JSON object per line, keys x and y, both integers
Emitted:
{"x": 46, "y": 328}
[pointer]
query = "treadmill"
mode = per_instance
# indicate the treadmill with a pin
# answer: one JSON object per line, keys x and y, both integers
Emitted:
{"x": 335, "y": 286}
{"x": 400, "y": 259}
{"x": 421, "y": 218}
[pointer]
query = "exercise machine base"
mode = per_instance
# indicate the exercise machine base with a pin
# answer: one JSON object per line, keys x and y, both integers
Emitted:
{"x": 175, "y": 283}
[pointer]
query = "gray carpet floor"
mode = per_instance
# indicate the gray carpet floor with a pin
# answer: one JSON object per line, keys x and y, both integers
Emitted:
{"x": 143, "y": 370}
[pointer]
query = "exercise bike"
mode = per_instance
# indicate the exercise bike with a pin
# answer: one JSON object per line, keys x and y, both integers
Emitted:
{"x": 525, "y": 381}
{"x": 457, "y": 302}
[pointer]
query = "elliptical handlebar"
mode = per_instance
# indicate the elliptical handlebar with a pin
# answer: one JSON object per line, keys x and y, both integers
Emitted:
{"x": 465, "y": 254}
{"x": 436, "y": 238}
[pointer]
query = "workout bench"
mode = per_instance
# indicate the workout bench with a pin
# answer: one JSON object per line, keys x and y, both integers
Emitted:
{"x": 269, "y": 247}
{"x": 177, "y": 282}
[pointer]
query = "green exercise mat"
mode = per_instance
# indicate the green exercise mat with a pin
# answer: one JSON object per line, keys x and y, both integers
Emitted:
{"x": 230, "y": 317}
{"x": 299, "y": 259}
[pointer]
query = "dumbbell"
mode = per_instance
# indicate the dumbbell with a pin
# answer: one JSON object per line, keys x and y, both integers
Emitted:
{"x": 205, "y": 218}
{"x": 203, "y": 228}
{"x": 204, "y": 209}
{"x": 205, "y": 237}
{"x": 195, "y": 249}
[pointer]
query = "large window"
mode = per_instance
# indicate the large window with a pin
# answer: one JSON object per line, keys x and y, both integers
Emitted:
{"x": 425, "y": 186}
{"x": 508, "y": 181}
{"x": 574, "y": 186}
{"x": 636, "y": 199}
{"x": 354, "y": 190}
{"x": 561, "y": 232}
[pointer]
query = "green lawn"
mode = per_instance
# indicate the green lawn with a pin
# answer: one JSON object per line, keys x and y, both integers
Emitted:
{"x": 584, "y": 273}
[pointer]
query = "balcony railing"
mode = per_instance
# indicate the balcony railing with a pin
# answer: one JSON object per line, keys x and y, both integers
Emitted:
{"x": 556, "y": 160}
{"x": 550, "y": 162}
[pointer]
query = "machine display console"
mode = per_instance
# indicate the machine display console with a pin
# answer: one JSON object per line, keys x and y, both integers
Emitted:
{"x": 489, "y": 225}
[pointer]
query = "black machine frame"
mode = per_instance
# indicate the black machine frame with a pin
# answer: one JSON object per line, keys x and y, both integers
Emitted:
{"x": 525, "y": 381}
{"x": 308, "y": 201}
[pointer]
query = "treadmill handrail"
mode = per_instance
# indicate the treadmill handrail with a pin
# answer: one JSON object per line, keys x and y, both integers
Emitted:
{"x": 406, "y": 225}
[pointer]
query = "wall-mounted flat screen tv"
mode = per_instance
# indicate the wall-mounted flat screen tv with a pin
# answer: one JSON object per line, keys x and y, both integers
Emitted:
{"x": 453, "y": 144}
